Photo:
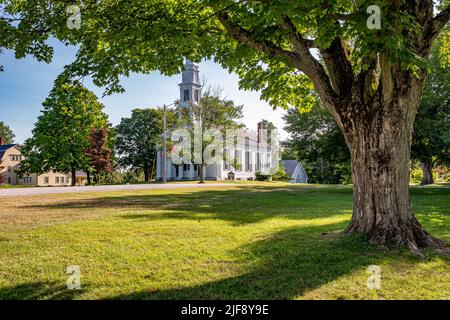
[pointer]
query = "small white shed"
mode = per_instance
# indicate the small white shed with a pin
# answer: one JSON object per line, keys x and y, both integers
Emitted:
{"x": 295, "y": 171}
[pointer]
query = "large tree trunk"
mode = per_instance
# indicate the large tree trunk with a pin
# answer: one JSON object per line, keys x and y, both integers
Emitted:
{"x": 379, "y": 137}
{"x": 427, "y": 170}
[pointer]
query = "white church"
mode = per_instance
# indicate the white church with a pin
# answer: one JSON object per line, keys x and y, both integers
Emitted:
{"x": 250, "y": 155}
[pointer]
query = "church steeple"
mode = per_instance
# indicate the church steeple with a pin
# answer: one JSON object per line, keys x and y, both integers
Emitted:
{"x": 190, "y": 88}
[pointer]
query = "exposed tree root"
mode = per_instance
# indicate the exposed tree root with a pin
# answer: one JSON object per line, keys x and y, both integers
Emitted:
{"x": 410, "y": 235}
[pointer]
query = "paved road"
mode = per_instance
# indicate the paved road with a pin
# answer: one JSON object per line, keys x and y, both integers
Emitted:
{"x": 59, "y": 190}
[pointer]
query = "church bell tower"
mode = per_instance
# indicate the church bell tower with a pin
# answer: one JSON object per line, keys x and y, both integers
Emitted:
{"x": 190, "y": 87}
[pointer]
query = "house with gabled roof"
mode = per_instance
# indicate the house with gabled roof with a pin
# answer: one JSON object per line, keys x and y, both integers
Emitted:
{"x": 10, "y": 159}
{"x": 295, "y": 171}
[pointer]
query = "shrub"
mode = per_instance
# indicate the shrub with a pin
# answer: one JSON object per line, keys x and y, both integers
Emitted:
{"x": 262, "y": 177}
{"x": 415, "y": 174}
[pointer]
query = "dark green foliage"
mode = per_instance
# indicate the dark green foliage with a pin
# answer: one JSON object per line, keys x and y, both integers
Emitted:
{"x": 139, "y": 137}
{"x": 117, "y": 38}
{"x": 318, "y": 143}
{"x": 431, "y": 140}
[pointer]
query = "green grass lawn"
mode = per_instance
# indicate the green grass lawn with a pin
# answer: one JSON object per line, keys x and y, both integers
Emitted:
{"x": 243, "y": 241}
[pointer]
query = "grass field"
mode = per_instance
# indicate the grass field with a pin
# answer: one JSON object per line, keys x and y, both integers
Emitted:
{"x": 257, "y": 241}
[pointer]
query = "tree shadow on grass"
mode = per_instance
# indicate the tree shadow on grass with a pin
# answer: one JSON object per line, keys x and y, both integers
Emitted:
{"x": 246, "y": 204}
{"x": 284, "y": 265}
{"x": 288, "y": 264}
{"x": 241, "y": 205}
{"x": 39, "y": 290}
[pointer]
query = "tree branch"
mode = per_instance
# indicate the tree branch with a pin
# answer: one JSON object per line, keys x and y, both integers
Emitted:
{"x": 297, "y": 39}
{"x": 432, "y": 28}
{"x": 301, "y": 58}
{"x": 339, "y": 67}
{"x": 247, "y": 38}
{"x": 440, "y": 20}
{"x": 309, "y": 65}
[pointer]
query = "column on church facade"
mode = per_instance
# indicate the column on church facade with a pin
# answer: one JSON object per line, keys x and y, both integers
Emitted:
{"x": 169, "y": 169}
{"x": 191, "y": 172}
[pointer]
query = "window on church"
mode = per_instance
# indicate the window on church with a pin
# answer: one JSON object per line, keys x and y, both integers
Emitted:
{"x": 196, "y": 96}
{"x": 226, "y": 165}
{"x": 248, "y": 164}
{"x": 258, "y": 162}
{"x": 195, "y": 77}
{"x": 186, "y": 95}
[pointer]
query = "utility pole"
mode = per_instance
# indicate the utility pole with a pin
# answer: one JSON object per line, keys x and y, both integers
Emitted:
{"x": 164, "y": 172}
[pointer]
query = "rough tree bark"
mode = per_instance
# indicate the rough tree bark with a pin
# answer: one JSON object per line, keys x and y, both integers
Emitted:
{"x": 427, "y": 172}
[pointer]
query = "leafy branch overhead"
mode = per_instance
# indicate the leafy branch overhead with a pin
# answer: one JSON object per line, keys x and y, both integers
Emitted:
{"x": 270, "y": 41}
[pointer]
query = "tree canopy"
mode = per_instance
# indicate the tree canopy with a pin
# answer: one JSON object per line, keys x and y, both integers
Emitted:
{"x": 139, "y": 137}
{"x": 266, "y": 42}
{"x": 99, "y": 153}
{"x": 6, "y": 133}
{"x": 61, "y": 134}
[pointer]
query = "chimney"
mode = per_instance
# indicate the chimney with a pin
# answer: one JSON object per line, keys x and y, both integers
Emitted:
{"x": 2, "y": 141}
{"x": 261, "y": 129}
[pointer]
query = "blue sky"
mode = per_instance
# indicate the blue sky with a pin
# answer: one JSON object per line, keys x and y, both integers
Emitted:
{"x": 26, "y": 83}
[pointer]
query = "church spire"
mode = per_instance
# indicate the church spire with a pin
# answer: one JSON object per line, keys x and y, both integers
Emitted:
{"x": 190, "y": 88}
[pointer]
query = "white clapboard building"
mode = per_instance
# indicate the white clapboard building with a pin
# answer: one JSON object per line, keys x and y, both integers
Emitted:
{"x": 251, "y": 152}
